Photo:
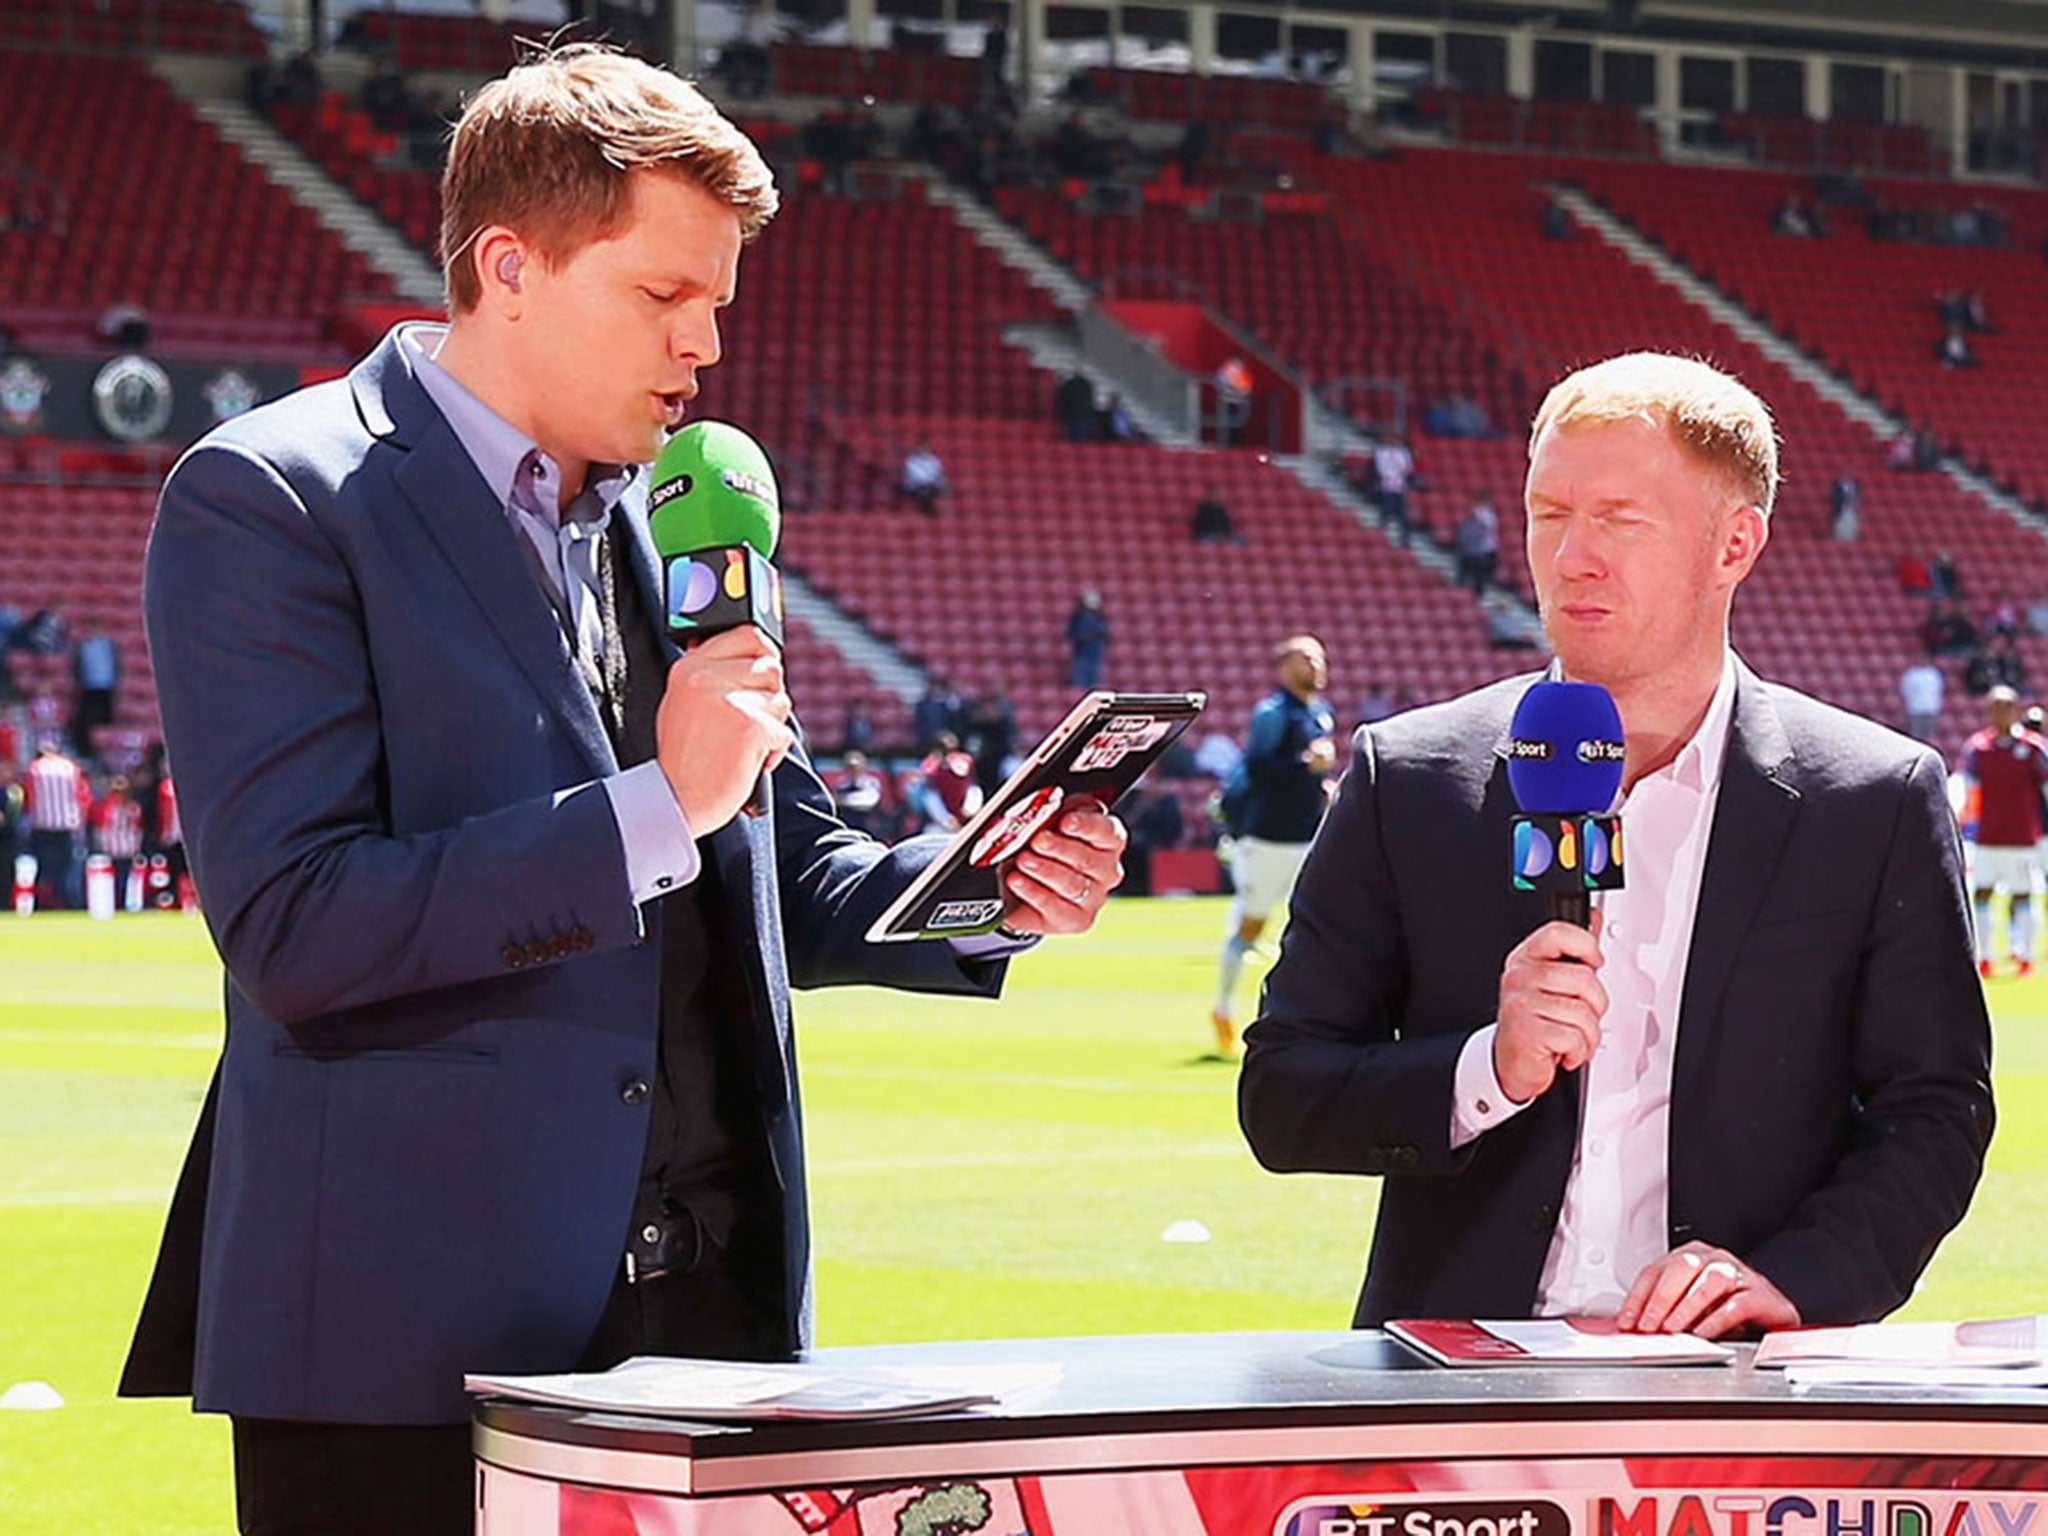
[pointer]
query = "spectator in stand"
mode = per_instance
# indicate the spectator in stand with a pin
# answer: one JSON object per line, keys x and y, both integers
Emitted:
{"x": 96, "y": 670}
{"x": 1997, "y": 666}
{"x": 943, "y": 792}
{"x": 1794, "y": 219}
{"x": 1946, "y": 577}
{"x": 2037, "y": 615}
{"x": 1845, "y": 509}
{"x": 1921, "y": 689}
{"x": 856, "y": 725}
{"x": 936, "y": 713}
{"x": 1477, "y": 543}
{"x": 924, "y": 478}
{"x": 117, "y": 823}
{"x": 1212, "y": 523}
{"x": 45, "y": 633}
{"x": 2005, "y": 771}
{"x": 988, "y": 734}
{"x": 1087, "y": 640}
{"x": 1556, "y": 222}
{"x": 1233, "y": 381}
{"x": 1954, "y": 349}
{"x": 1073, "y": 407}
{"x": 1947, "y": 631}
{"x": 1115, "y": 424}
{"x": 1459, "y": 416}
{"x": 1915, "y": 579}
{"x": 1395, "y": 467}
{"x": 2004, "y": 617}
{"x": 859, "y": 793}
{"x": 56, "y": 804}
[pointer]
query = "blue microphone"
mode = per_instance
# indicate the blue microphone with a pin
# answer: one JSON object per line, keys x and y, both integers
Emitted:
{"x": 1565, "y": 766}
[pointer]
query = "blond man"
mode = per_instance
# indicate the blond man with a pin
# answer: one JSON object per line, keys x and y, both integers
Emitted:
{"x": 508, "y": 1082}
{"x": 1757, "y": 1092}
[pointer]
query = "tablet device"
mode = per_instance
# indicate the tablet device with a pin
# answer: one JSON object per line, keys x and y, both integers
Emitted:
{"x": 1096, "y": 753}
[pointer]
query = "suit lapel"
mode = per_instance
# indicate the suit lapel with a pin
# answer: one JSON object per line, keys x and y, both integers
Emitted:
{"x": 1753, "y": 817}
{"x": 462, "y": 516}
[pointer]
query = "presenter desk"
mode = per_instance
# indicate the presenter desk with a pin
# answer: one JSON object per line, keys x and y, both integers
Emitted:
{"x": 1293, "y": 1434}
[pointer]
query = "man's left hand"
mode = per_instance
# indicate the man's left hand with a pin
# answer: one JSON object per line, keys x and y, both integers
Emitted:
{"x": 1065, "y": 873}
{"x": 1704, "y": 1290}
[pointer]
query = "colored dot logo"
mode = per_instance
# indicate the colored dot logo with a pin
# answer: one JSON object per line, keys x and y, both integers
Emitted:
{"x": 692, "y": 587}
{"x": 1533, "y": 852}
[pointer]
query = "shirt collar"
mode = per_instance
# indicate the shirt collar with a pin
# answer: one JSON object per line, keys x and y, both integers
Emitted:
{"x": 506, "y": 457}
{"x": 1698, "y": 765}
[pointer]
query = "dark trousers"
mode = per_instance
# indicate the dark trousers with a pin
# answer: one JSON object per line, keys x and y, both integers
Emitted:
{"x": 313, "y": 1479}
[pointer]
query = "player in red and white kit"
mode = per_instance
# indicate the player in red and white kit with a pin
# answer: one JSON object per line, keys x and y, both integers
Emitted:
{"x": 2004, "y": 768}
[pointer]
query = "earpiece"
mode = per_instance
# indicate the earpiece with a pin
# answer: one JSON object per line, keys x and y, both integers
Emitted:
{"x": 508, "y": 270}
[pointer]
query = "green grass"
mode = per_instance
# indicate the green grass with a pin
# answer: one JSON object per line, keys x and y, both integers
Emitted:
{"x": 978, "y": 1170}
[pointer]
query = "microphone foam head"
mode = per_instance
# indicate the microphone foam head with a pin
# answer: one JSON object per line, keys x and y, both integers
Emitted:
{"x": 1565, "y": 756}
{"x": 711, "y": 487}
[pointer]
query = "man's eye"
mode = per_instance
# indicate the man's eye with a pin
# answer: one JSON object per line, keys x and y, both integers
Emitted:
{"x": 658, "y": 296}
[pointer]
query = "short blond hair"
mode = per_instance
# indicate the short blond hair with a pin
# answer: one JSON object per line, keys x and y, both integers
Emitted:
{"x": 548, "y": 149}
{"x": 1299, "y": 645}
{"x": 1711, "y": 414}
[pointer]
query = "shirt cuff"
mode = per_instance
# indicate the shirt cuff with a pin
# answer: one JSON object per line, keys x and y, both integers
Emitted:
{"x": 1478, "y": 1103}
{"x": 661, "y": 855}
{"x": 992, "y": 946}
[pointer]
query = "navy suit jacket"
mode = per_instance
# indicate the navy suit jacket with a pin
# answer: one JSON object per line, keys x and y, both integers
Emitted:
{"x": 427, "y": 1126}
{"x": 1831, "y": 1098}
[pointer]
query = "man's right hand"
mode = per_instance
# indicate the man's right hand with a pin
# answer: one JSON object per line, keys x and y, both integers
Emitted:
{"x": 1551, "y": 1005}
{"x": 724, "y": 720}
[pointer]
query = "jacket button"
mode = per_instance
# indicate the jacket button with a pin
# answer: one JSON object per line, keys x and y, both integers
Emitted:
{"x": 1544, "y": 1219}
{"x": 634, "y": 1091}
{"x": 514, "y": 956}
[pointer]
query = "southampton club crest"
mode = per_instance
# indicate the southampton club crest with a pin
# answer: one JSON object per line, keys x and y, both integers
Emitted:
{"x": 230, "y": 393}
{"x": 23, "y": 388}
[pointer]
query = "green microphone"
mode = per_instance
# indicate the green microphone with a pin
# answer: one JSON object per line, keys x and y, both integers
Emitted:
{"x": 715, "y": 516}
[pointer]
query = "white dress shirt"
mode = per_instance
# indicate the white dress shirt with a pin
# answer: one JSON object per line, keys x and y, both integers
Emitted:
{"x": 1614, "y": 1219}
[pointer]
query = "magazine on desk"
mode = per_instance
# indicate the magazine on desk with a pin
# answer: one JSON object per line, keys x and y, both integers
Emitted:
{"x": 1986, "y": 1352}
{"x": 1460, "y": 1342}
{"x": 1096, "y": 753}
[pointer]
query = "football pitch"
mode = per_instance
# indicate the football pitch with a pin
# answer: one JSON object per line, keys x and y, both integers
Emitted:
{"x": 977, "y": 1170}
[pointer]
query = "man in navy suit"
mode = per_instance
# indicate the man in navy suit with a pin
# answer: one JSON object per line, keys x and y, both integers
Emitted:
{"x": 1757, "y": 1092}
{"x": 509, "y": 1081}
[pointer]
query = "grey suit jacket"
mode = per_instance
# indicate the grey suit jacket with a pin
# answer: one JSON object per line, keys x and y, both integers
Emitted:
{"x": 442, "y": 1003}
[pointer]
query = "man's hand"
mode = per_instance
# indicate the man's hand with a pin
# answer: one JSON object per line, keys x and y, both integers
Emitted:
{"x": 1551, "y": 1004}
{"x": 1065, "y": 873}
{"x": 1704, "y": 1290}
{"x": 1320, "y": 755}
{"x": 724, "y": 720}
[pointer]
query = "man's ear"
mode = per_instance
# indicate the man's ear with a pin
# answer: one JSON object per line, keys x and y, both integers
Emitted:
{"x": 1742, "y": 540}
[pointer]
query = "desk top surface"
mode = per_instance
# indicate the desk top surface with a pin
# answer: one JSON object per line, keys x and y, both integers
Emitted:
{"x": 1149, "y": 1385}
